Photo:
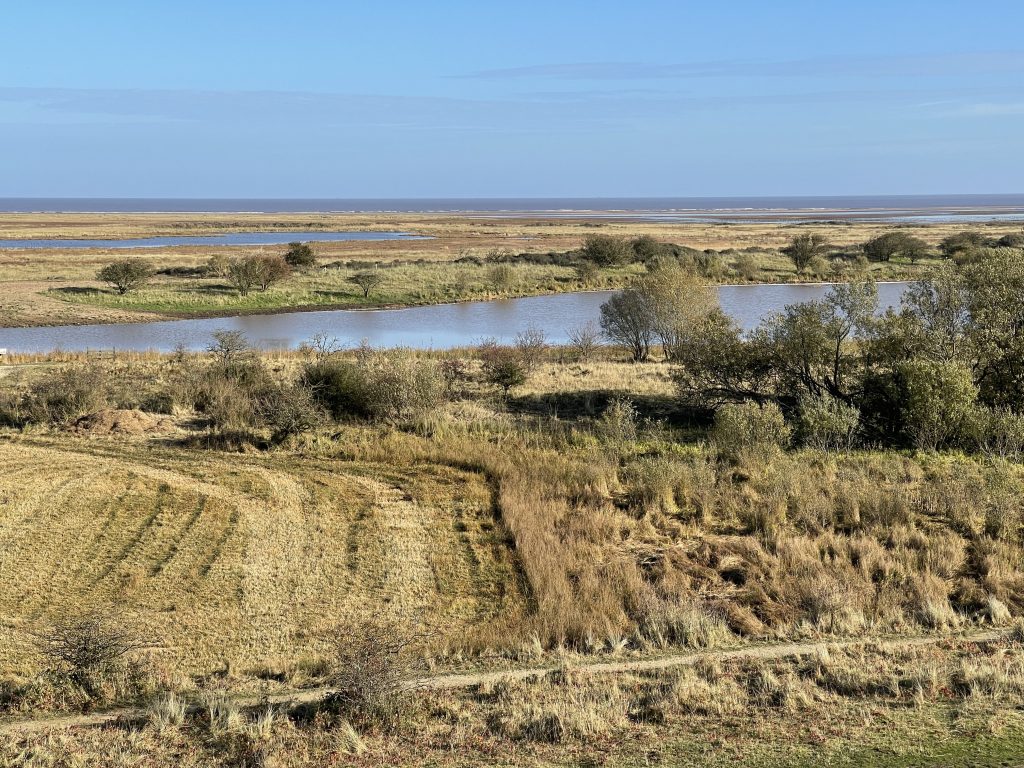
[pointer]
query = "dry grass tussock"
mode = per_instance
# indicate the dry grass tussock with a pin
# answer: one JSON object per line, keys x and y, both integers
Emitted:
{"x": 783, "y": 701}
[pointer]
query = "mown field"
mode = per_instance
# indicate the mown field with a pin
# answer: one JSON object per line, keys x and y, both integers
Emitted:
{"x": 239, "y": 561}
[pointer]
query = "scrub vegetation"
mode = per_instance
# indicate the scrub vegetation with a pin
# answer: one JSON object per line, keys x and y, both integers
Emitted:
{"x": 794, "y": 546}
{"x": 462, "y": 258}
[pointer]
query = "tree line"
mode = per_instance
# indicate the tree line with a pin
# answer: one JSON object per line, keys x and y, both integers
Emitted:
{"x": 244, "y": 274}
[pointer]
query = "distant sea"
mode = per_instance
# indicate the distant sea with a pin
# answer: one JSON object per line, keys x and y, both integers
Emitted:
{"x": 891, "y": 208}
{"x": 749, "y": 206}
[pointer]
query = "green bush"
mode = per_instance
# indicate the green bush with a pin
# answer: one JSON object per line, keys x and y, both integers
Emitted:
{"x": 379, "y": 384}
{"x": 502, "y": 366}
{"x": 126, "y": 275}
{"x": 749, "y": 429}
{"x": 826, "y": 423}
{"x": 607, "y": 250}
{"x": 997, "y": 431}
{"x": 939, "y": 400}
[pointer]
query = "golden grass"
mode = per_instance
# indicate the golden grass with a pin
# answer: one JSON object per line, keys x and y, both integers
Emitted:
{"x": 952, "y": 704}
{"x": 240, "y": 561}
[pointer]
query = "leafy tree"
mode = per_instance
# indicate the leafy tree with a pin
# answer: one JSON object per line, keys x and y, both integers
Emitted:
{"x": 994, "y": 334}
{"x": 606, "y": 250}
{"x": 810, "y": 345}
{"x": 891, "y": 244}
{"x": 300, "y": 256}
{"x": 677, "y": 299}
{"x": 126, "y": 275}
{"x": 805, "y": 248}
{"x": 961, "y": 241}
{"x": 938, "y": 307}
{"x": 939, "y": 400}
{"x": 367, "y": 280}
{"x": 715, "y": 364}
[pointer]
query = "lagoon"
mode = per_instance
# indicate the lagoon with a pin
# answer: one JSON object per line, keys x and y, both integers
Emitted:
{"x": 440, "y": 326}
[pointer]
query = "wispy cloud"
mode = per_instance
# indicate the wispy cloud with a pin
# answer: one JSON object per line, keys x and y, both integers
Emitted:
{"x": 563, "y": 109}
{"x": 979, "y": 62}
{"x": 991, "y": 109}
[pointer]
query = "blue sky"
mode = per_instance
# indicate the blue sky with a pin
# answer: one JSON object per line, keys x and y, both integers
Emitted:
{"x": 463, "y": 99}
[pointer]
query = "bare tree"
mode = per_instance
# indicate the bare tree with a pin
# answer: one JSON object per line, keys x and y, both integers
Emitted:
{"x": 627, "y": 318}
{"x": 585, "y": 339}
{"x": 272, "y": 269}
{"x": 321, "y": 347}
{"x": 803, "y": 249}
{"x": 244, "y": 274}
{"x": 367, "y": 280}
{"x": 228, "y": 345}
{"x": 531, "y": 345}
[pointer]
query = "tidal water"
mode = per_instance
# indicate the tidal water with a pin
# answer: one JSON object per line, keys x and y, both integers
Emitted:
{"x": 231, "y": 238}
{"x": 439, "y": 326}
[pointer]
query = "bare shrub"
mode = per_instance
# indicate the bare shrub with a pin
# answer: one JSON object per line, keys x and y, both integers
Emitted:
{"x": 585, "y": 340}
{"x": 65, "y": 395}
{"x": 288, "y": 410}
{"x": 92, "y": 651}
{"x": 372, "y": 667}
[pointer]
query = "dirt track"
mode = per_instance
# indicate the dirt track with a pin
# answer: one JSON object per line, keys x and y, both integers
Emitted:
{"x": 454, "y": 681}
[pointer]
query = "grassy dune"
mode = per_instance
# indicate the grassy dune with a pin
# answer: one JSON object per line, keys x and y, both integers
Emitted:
{"x": 240, "y": 560}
